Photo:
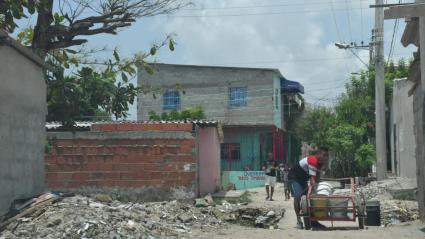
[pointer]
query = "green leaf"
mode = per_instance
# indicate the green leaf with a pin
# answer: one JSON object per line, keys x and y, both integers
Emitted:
{"x": 153, "y": 50}
{"x": 58, "y": 18}
{"x": 124, "y": 77}
{"x": 171, "y": 45}
{"x": 130, "y": 70}
{"x": 116, "y": 56}
{"x": 71, "y": 51}
{"x": 149, "y": 69}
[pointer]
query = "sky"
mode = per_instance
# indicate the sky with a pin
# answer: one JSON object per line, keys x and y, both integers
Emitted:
{"x": 295, "y": 36}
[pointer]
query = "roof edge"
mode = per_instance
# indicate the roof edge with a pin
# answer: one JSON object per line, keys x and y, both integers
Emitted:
{"x": 218, "y": 66}
{"x": 5, "y": 39}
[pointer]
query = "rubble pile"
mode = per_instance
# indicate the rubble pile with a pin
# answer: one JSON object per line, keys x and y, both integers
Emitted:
{"x": 394, "y": 212}
{"x": 83, "y": 217}
{"x": 387, "y": 192}
{"x": 249, "y": 216}
{"x": 387, "y": 189}
{"x": 101, "y": 217}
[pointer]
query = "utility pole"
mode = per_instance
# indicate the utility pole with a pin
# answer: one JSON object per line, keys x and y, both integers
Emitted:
{"x": 380, "y": 122}
{"x": 420, "y": 162}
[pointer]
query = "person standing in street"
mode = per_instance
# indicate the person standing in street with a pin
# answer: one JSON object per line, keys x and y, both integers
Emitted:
{"x": 270, "y": 184}
{"x": 285, "y": 172}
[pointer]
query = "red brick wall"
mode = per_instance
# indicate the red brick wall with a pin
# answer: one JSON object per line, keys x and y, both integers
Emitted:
{"x": 130, "y": 163}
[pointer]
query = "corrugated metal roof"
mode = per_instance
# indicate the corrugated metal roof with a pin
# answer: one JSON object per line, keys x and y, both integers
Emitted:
{"x": 86, "y": 125}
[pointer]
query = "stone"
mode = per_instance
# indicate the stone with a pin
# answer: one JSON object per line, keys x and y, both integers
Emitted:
{"x": 201, "y": 202}
{"x": 54, "y": 222}
{"x": 185, "y": 218}
{"x": 209, "y": 199}
{"x": 271, "y": 214}
{"x": 261, "y": 221}
{"x": 103, "y": 198}
{"x": 131, "y": 225}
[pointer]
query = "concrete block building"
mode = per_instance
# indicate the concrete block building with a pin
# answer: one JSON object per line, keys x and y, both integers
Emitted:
{"x": 247, "y": 101}
{"x": 231, "y": 95}
{"x": 23, "y": 110}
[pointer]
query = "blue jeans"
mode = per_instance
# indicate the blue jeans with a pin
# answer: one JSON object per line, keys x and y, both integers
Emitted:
{"x": 298, "y": 188}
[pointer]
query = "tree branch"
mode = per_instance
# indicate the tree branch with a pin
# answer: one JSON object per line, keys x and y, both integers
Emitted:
{"x": 65, "y": 44}
{"x": 115, "y": 14}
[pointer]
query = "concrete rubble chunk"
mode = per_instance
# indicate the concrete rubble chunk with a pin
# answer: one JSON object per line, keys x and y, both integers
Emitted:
{"x": 54, "y": 221}
{"x": 201, "y": 202}
{"x": 209, "y": 199}
{"x": 185, "y": 218}
{"x": 103, "y": 198}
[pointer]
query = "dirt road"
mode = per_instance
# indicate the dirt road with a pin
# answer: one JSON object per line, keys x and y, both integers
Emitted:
{"x": 348, "y": 230}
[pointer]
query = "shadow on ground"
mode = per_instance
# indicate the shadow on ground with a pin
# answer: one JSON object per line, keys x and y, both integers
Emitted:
{"x": 336, "y": 229}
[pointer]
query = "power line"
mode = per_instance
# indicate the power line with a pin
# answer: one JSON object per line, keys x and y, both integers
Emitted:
{"x": 261, "y": 6}
{"x": 289, "y": 60}
{"x": 253, "y": 14}
{"x": 232, "y": 64}
{"x": 361, "y": 21}
{"x": 335, "y": 22}
{"x": 394, "y": 36}
{"x": 348, "y": 20}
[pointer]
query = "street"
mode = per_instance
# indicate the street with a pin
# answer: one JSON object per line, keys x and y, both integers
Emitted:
{"x": 287, "y": 228}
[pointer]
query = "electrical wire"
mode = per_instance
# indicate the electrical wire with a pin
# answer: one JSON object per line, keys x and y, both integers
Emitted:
{"x": 361, "y": 21}
{"x": 336, "y": 23}
{"x": 262, "y": 6}
{"x": 349, "y": 20}
{"x": 253, "y": 14}
{"x": 394, "y": 36}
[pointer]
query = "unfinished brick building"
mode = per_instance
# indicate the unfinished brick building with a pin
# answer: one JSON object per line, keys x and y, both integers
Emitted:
{"x": 158, "y": 157}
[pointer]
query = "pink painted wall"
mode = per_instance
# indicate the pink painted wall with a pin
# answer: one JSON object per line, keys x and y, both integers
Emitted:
{"x": 209, "y": 160}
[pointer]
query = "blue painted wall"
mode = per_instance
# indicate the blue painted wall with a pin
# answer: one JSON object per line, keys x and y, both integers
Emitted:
{"x": 243, "y": 179}
{"x": 254, "y": 143}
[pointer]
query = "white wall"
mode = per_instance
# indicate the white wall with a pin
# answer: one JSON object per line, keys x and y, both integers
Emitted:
{"x": 403, "y": 144}
{"x": 23, "y": 110}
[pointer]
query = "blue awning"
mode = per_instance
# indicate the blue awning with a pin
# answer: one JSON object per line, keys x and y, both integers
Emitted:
{"x": 291, "y": 86}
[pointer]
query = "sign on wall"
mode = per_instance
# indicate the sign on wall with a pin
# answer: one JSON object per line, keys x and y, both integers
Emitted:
{"x": 243, "y": 179}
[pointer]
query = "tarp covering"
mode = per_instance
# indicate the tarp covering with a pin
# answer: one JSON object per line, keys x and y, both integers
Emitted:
{"x": 291, "y": 86}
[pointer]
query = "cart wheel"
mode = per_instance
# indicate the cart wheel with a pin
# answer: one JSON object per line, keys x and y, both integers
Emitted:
{"x": 304, "y": 205}
{"x": 361, "y": 212}
{"x": 361, "y": 222}
{"x": 307, "y": 223}
{"x": 304, "y": 209}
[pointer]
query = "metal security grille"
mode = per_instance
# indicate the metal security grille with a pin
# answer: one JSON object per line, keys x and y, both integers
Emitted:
{"x": 230, "y": 151}
{"x": 237, "y": 96}
{"x": 171, "y": 100}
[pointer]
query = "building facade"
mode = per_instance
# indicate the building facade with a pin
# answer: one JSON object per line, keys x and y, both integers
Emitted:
{"x": 247, "y": 101}
{"x": 233, "y": 96}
